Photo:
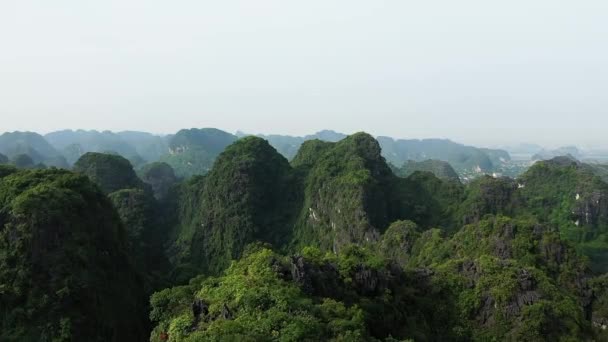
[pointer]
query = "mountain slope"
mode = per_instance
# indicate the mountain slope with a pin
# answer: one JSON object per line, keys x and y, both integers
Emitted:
{"x": 110, "y": 172}
{"x": 64, "y": 269}
{"x": 348, "y": 192}
{"x": 33, "y": 145}
{"x": 509, "y": 279}
{"x": 74, "y": 144}
{"x": 561, "y": 192}
{"x": 499, "y": 279}
{"x": 247, "y": 196}
{"x": 193, "y": 151}
{"x": 441, "y": 169}
{"x": 461, "y": 157}
{"x": 160, "y": 176}
{"x": 332, "y": 195}
{"x": 572, "y": 198}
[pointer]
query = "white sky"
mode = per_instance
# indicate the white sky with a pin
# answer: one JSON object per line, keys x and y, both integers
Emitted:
{"x": 473, "y": 71}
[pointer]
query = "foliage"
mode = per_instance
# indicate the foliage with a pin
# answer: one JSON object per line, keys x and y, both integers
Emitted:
{"x": 135, "y": 146}
{"x": 371, "y": 256}
{"x": 510, "y": 279}
{"x": 257, "y": 299}
{"x": 599, "y": 316}
{"x": 398, "y": 241}
{"x": 64, "y": 270}
{"x": 160, "y": 177}
{"x": 32, "y": 144}
{"x": 6, "y": 170}
{"x": 289, "y": 146}
{"x": 440, "y": 169}
{"x": 146, "y": 234}
{"x": 430, "y": 201}
{"x": 348, "y": 192}
{"x": 193, "y": 151}
{"x": 332, "y": 195}
{"x": 23, "y": 161}
{"x": 461, "y": 157}
{"x": 110, "y": 172}
{"x": 246, "y": 197}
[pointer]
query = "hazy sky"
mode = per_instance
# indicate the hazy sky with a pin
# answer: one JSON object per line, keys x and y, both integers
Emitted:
{"x": 473, "y": 71}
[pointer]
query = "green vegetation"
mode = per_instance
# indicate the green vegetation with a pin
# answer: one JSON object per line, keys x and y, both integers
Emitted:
{"x": 160, "y": 177}
{"x": 599, "y": 316}
{"x": 289, "y": 146}
{"x": 23, "y": 161}
{"x": 135, "y": 146}
{"x": 511, "y": 279}
{"x": 14, "y": 143}
{"x": 193, "y": 151}
{"x": 246, "y": 197}
{"x": 335, "y": 245}
{"x": 3, "y": 159}
{"x": 340, "y": 179}
{"x": 497, "y": 279}
{"x": 601, "y": 170}
{"x": 146, "y": 234}
{"x": 65, "y": 274}
{"x": 462, "y": 158}
{"x": 268, "y": 297}
{"x": 440, "y": 169}
{"x": 573, "y": 199}
{"x": 110, "y": 172}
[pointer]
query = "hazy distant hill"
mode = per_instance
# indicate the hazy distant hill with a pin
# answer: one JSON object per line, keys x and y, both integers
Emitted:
{"x": 360, "y": 254}
{"x": 288, "y": 145}
{"x": 132, "y": 145}
{"x": 13, "y": 144}
{"x": 440, "y": 169}
{"x": 460, "y": 157}
{"x": 193, "y": 151}
{"x": 149, "y": 146}
{"x": 562, "y": 151}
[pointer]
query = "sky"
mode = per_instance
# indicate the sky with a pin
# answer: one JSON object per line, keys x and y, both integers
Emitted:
{"x": 481, "y": 72}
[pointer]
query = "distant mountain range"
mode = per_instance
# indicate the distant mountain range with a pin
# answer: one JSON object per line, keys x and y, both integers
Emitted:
{"x": 193, "y": 151}
{"x": 335, "y": 244}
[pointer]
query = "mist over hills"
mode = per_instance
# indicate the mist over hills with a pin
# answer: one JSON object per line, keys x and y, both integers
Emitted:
{"x": 193, "y": 151}
{"x": 350, "y": 238}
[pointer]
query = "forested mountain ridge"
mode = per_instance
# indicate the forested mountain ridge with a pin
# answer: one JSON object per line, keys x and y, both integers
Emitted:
{"x": 465, "y": 159}
{"x": 246, "y": 197}
{"x": 74, "y": 144}
{"x": 15, "y": 144}
{"x": 193, "y": 151}
{"x": 461, "y": 157}
{"x": 65, "y": 271}
{"x": 110, "y": 172}
{"x": 515, "y": 277}
{"x": 3, "y": 159}
{"x": 330, "y": 246}
{"x": 561, "y": 192}
{"x": 440, "y": 169}
{"x": 333, "y": 194}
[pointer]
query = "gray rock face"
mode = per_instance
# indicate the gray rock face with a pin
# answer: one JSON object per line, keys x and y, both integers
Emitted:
{"x": 200, "y": 310}
{"x": 226, "y": 312}
{"x": 369, "y": 281}
{"x": 527, "y": 294}
{"x": 591, "y": 209}
{"x": 322, "y": 281}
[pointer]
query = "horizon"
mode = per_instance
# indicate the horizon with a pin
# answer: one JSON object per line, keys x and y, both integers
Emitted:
{"x": 508, "y": 146}
{"x": 460, "y": 71}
